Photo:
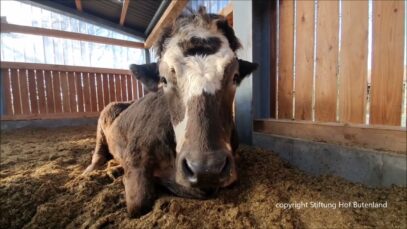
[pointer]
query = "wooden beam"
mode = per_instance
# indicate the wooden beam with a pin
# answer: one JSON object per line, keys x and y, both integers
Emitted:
{"x": 171, "y": 13}
{"x": 124, "y": 11}
{"x": 49, "y": 116}
{"x": 62, "y": 68}
{"x": 78, "y": 4}
{"x": 384, "y": 138}
{"x": 11, "y": 28}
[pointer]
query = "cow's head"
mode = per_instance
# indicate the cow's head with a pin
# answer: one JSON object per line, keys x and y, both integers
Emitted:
{"x": 199, "y": 72}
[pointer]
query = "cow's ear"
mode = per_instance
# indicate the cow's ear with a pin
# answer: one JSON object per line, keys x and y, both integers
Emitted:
{"x": 245, "y": 69}
{"x": 148, "y": 75}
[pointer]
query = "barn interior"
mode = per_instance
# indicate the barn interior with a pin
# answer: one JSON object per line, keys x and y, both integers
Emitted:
{"x": 322, "y": 122}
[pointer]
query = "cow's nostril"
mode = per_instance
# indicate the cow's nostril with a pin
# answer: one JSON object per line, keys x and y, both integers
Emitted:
{"x": 188, "y": 171}
{"x": 226, "y": 167}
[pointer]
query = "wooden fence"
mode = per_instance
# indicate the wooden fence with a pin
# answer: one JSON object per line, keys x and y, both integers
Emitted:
{"x": 43, "y": 91}
{"x": 323, "y": 88}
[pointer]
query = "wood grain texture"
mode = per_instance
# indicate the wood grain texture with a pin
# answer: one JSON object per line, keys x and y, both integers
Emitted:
{"x": 112, "y": 88}
{"x": 50, "y": 116}
{"x": 86, "y": 92}
{"x": 65, "y": 91}
{"x": 15, "y": 91}
{"x": 286, "y": 52}
{"x": 304, "y": 66}
{"x": 273, "y": 60}
{"x": 24, "y": 91}
{"x": 327, "y": 60}
{"x": 106, "y": 99}
{"x": 79, "y": 91}
{"x": 42, "y": 105}
{"x": 129, "y": 87}
{"x": 7, "y": 91}
{"x": 49, "y": 92}
{"x": 384, "y": 138}
{"x": 57, "y": 91}
{"x": 118, "y": 88}
{"x": 124, "y": 87}
{"x": 72, "y": 92}
{"x": 353, "y": 62}
{"x": 387, "y": 63}
{"x": 93, "y": 93}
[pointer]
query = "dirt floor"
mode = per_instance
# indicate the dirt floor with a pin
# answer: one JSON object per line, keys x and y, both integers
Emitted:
{"x": 41, "y": 187}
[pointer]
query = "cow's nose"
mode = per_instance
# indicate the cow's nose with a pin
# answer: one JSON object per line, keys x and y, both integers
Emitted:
{"x": 206, "y": 171}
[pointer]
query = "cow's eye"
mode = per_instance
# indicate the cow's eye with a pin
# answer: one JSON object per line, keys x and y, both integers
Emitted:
{"x": 235, "y": 78}
{"x": 163, "y": 80}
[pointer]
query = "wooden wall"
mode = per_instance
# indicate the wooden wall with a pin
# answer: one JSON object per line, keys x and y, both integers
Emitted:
{"x": 323, "y": 89}
{"x": 42, "y": 91}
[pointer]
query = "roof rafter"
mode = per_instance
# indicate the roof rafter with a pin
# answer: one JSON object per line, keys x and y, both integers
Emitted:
{"x": 78, "y": 4}
{"x": 124, "y": 11}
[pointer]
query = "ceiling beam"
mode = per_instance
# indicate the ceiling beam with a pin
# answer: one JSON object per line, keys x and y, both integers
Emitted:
{"x": 124, "y": 11}
{"x": 59, "y": 8}
{"x": 78, "y": 4}
{"x": 11, "y": 28}
{"x": 173, "y": 10}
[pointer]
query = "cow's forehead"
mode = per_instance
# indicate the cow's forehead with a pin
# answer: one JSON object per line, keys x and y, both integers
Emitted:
{"x": 198, "y": 72}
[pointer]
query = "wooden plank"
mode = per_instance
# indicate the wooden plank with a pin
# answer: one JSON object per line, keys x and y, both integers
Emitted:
{"x": 135, "y": 88}
{"x": 387, "y": 63}
{"x": 123, "y": 87}
{"x": 56, "y": 82}
{"x": 93, "y": 95}
{"x": 327, "y": 60}
{"x": 7, "y": 92}
{"x": 118, "y": 89}
{"x": 42, "y": 105}
{"x": 286, "y": 52}
{"x": 79, "y": 91}
{"x": 129, "y": 87}
{"x": 101, "y": 104}
{"x": 12, "y": 28}
{"x": 78, "y": 4}
{"x": 106, "y": 98}
{"x": 173, "y": 10}
{"x": 72, "y": 92}
{"x": 139, "y": 89}
{"x": 27, "y": 91}
{"x": 304, "y": 60}
{"x": 86, "y": 92}
{"x": 353, "y": 62}
{"x": 15, "y": 89}
{"x": 356, "y": 135}
{"x": 273, "y": 60}
{"x": 112, "y": 88}
{"x": 124, "y": 11}
{"x": 65, "y": 92}
{"x": 50, "y": 116}
{"x": 49, "y": 92}
{"x": 62, "y": 68}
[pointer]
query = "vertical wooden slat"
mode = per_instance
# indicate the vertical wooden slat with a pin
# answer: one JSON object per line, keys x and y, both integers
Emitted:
{"x": 273, "y": 59}
{"x": 65, "y": 92}
{"x": 33, "y": 91}
{"x": 286, "y": 52}
{"x": 124, "y": 87}
{"x": 129, "y": 89}
{"x": 8, "y": 106}
{"x": 79, "y": 91}
{"x": 57, "y": 91}
{"x": 41, "y": 92}
{"x": 353, "y": 62}
{"x": 387, "y": 65}
{"x": 118, "y": 88}
{"x": 93, "y": 95}
{"x": 139, "y": 89}
{"x": 72, "y": 92}
{"x": 135, "y": 88}
{"x": 304, "y": 60}
{"x": 50, "y": 92}
{"x": 327, "y": 60}
{"x": 15, "y": 91}
{"x": 106, "y": 90}
{"x": 100, "y": 91}
{"x": 24, "y": 90}
{"x": 112, "y": 87}
{"x": 86, "y": 92}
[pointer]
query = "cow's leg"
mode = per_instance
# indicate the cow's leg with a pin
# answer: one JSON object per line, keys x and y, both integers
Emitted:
{"x": 139, "y": 189}
{"x": 186, "y": 192}
{"x": 101, "y": 153}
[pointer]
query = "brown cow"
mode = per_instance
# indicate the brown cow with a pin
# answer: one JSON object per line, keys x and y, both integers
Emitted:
{"x": 182, "y": 134}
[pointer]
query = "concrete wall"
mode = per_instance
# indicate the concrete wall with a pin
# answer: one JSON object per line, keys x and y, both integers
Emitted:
{"x": 50, "y": 123}
{"x": 369, "y": 167}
